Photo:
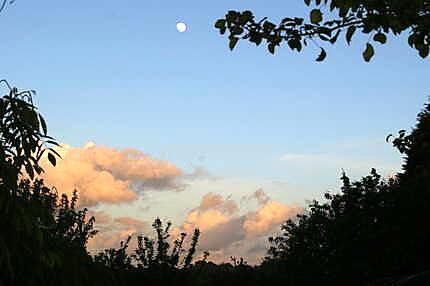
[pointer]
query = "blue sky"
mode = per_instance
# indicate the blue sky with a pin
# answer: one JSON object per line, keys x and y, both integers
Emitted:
{"x": 119, "y": 74}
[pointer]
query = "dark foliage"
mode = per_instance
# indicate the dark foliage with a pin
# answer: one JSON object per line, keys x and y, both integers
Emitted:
{"x": 331, "y": 18}
{"x": 373, "y": 229}
{"x": 42, "y": 237}
{"x": 151, "y": 254}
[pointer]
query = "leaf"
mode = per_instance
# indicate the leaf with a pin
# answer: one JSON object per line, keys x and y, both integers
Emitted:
{"x": 256, "y": 38}
{"x": 411, "y": 40}
{"x": 322, "y": 55}
{"x": 308, "y": 2}
{"x": 316, "y": 16}
{"x": 220, "y": 23}
{"x": 388, "y": 137}
{"x": 237, "y": 30}
{"x": 53, "y": 143}
{"x": 424, "y": 52}
{"x": 43, "y": 123}
{"x": 55, "y": 152}
{"x": 295, "y": 44}
{"x": 29, "y": 170}
{"x": 52, "y": 159}
{"x": 245, "y": 17}
{"x": 380, "y": 37}
{"x": 233, "y": 42}
{"x": 271, "y": 48}
{"x": 368, "y": 53}
{"x": 349, "y": 33}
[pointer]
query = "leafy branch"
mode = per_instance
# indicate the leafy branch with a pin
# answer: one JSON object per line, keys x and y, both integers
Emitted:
{"x": 376, "y": 18}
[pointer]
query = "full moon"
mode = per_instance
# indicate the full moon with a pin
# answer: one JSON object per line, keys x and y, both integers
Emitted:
{"x": 181, "y": 27}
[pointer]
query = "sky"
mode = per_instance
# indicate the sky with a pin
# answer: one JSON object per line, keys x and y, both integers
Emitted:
{"x": 160, "y": 123}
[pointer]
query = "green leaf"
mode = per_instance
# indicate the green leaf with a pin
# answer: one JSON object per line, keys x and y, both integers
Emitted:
{"x": 322, "y": 55}
{"x": 380, "y": 37}
{"x": 316, "y": 16}
{"x": 368, "y": 53}
{"x": 308, "y": 2}
{"x": 233, "y": 42}
{"x": 52, "y": 159}
{"x": 349, "y": 33}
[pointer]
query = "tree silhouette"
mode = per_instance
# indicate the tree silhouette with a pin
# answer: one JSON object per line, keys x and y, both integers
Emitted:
{"x": 329, "y": 19}
{"x": 373, "y": 230}
{"x": 42, "y": 237}
{"x": 116, "y": 259}
{"x": 152, "y": 253}
{"x": 155, "y": 252}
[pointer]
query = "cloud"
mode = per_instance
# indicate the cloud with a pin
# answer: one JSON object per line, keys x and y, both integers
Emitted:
{"x": 259, "y": 195}
{"x": 107, "y": 175}
{"x": 131, "y": 223}
{"x": 212, "y": 211}
{"x": 226, "y": 228}
{"x": 224, "y": 224}
{"x": 102, "y": 218}
{"x": 271, "y": 214}
{"x": 216, "y": 202}
{"x": 223, "y": 234}
{"x": 199, "y": 173}
{"x": 113, "y": 231}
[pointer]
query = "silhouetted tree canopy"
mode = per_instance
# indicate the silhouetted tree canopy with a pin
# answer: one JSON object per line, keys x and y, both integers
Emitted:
{"x": 375, "y": 229}
{"x": 152, "y": 253}
{"x": 330, "y": 19}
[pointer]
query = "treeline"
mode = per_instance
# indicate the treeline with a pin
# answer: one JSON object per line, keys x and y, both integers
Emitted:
{"x": 375, "y": 231}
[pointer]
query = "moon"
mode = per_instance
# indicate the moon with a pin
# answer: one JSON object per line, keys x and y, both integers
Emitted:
{"x": 181, "y": 27}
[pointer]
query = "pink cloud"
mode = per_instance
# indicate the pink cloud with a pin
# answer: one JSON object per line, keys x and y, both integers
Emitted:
{"x": 270, "y": 215}
{"x": 113, "y": 231}
{"x": 107, "y": 175}
{"x": 225, "y": 226}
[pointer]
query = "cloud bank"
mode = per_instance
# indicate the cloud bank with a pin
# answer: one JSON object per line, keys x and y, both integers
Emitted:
{"x": 104, "y": 175}
{"x": 107, "y": 175}
{"x": 114, "y": 230}
{"x": 226, "y": 228}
